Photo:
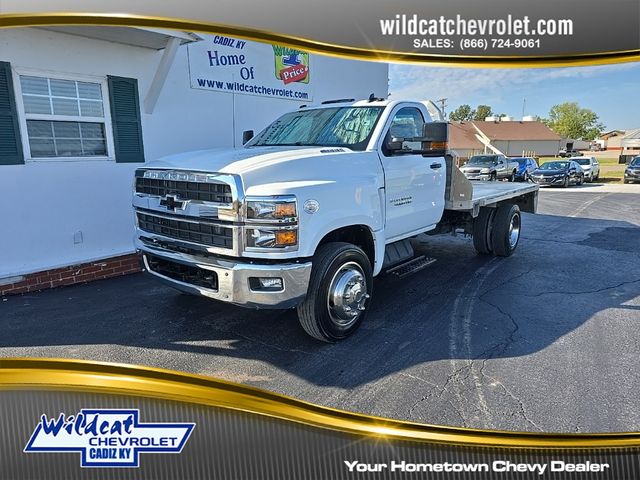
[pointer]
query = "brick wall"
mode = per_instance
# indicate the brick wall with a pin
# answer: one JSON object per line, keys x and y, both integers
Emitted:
{"x": 73, "y": 274}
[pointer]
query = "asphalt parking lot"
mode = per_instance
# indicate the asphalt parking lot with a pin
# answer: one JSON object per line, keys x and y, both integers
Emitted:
{"x": 548, "y": 339}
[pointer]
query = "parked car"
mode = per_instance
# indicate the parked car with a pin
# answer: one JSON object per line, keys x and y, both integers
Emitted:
{"x": 559, "y": 173}
{"x": 590, "y": 166}
{"x": 632, "y": 172}
{"x": 569, "y": 153}
{"x": 526, "y": 165}
{"x": 490, "y": 167}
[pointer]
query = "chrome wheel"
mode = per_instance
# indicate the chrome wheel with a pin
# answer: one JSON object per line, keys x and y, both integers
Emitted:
{"x": 347, "y": 294}
{"x": 514, "y": 230}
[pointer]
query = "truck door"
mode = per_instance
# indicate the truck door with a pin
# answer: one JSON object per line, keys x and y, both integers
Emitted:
{"x": 414, "y": 185}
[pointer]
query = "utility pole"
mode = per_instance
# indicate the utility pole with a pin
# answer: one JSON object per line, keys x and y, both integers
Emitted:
{"x": 443, "y": 105}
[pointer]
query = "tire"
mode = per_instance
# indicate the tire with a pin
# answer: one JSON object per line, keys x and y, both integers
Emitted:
{"x": 625, "y": 181}
{"x": 482, "y": 225}
{"x": 493, "y": 177}
{"x": 505, "y": 234}
{"x": 333, "y": 264}
{"x": 581, "y": 181}
{"x": 512, "y": 178}
{"x": 566, "y": 182}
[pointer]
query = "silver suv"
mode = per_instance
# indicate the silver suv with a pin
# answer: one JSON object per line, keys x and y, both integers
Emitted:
{"x": 590, "y": 166}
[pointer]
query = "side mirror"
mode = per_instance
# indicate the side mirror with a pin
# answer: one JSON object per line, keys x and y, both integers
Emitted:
{"x": 395, "y": 144}
{"x": 246, "y": 136}
{"x": 435, "y": 139}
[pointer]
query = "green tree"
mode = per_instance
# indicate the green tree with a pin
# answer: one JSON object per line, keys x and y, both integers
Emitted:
{"x": 462, "y": 113}
{"x": 482, "y": 112}
{"x": 571, "y": 121}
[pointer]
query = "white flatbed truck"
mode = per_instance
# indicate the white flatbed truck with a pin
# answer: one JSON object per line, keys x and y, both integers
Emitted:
{"x": 308, "y": 211}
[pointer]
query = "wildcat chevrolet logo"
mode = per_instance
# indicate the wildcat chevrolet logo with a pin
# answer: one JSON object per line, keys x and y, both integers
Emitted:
{"x": 107, "y": 438}
{"x": 291, "y": 65}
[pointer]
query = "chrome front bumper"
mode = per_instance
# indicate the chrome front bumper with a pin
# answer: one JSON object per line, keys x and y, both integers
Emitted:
{"x": 233, "y": 279}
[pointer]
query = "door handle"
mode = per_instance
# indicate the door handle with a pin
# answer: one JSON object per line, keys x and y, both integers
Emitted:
{"x": 436, "y": 165}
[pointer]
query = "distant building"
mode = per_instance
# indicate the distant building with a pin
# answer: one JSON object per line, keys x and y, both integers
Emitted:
{"x": 513, "y": 138}
{"x": 624, "y": 141}
{"x": 612, "y": 139}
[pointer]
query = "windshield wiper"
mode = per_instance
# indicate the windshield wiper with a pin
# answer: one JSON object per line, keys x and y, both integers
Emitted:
{"x": 296, "y": 144}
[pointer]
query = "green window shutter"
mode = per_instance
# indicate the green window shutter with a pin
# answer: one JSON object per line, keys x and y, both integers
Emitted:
{"x": 10, "y": 141}
{"x": 126, "y": 119}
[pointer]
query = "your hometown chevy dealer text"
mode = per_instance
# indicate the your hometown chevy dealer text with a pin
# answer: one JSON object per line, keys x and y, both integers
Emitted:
{"x": 498, "y": 466}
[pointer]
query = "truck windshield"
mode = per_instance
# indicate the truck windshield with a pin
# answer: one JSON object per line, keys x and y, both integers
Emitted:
{"x": 336, "y": 127}
{"x": 482, "y": 159}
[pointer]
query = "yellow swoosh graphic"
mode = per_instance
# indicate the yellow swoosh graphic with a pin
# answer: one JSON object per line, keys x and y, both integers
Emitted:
{"x": 128, "y": 20}
{"x": 155, "y": 383}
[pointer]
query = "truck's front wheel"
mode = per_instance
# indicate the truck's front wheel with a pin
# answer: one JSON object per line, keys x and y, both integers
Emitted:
{"x": 339, "y": 292}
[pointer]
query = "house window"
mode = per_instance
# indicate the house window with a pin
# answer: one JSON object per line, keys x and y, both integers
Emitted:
{"x": 64, "y": 118}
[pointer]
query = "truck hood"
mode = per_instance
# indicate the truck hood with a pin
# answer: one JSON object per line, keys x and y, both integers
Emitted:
{"x": 241, "y": 160}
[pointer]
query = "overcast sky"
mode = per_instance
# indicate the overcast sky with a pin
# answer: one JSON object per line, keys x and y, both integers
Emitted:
{"x": 612, "y": 91}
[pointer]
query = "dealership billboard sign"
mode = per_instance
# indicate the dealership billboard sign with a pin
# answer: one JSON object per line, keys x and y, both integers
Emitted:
{"x": 228, "y": 64}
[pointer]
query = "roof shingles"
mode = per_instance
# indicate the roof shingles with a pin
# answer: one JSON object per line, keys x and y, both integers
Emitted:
{"x": 517, "y": 131}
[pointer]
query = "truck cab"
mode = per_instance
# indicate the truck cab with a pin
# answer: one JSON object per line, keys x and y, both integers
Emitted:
{"x": 307, "y": 212}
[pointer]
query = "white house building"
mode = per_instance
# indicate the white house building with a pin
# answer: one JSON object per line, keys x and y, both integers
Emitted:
{"x": 82, "y": 107}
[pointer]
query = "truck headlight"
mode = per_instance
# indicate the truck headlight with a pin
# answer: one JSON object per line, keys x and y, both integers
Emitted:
{"x": 264, "y": 237}
{"x": 282, "y": 208}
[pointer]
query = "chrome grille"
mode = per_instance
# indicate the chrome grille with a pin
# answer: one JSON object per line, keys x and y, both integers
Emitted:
{"x": 178, "y": 228}
{"x": 185, "y": 190}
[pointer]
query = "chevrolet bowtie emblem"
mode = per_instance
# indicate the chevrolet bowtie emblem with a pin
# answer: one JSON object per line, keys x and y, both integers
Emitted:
{"x": 172, "y": 203}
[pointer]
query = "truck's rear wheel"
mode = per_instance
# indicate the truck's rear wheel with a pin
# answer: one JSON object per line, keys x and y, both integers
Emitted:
{"x": 482, "y": 225}
{"x": 339, "y": 292}
{"x": 506, "y": 230}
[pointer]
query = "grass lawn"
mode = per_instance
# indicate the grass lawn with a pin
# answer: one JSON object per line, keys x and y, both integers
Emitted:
{"x": 611, "y": 173}
{"x": 608, "y": 160}
{"x": 610, "y": 170}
